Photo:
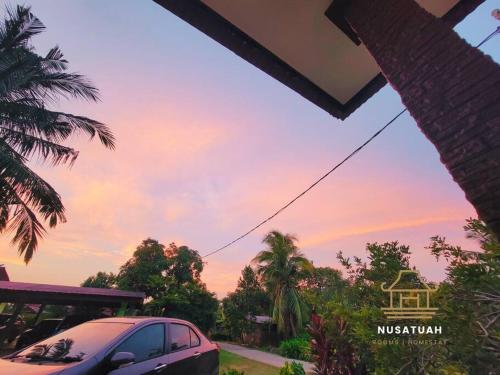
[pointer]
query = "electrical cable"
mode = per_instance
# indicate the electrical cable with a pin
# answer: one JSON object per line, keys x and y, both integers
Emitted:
{"x": 375, "y": 135}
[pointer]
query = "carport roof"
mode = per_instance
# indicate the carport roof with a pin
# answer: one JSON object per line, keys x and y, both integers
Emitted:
{"x": 32, "y": 293}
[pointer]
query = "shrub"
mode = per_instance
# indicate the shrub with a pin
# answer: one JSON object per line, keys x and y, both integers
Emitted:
{"x": 297, "y": 348}
{"x": 293, "y": 368}
{"x": 233, "y": 372}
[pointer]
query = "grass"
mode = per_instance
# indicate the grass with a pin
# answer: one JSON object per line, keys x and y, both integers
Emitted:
{"x": 249, "y": 367}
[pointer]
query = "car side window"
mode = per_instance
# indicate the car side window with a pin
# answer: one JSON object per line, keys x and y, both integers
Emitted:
{"x": 180, "y": 338}
{"x": 195, "y": 339}
{"x": 147, "y": 343}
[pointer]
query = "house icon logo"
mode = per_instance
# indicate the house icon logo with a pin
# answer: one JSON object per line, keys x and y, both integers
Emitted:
{"x": 409, "y": 297}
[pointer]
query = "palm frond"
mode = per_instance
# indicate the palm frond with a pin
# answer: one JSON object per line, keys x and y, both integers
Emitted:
{"x": 19, "y": 26}
{"x": 28, "y": 83}
{"x": 4, "y": 211}
{"x": 28, "y": 187}
{"x": 28, "y": 229}
{"x": 17, "y": 67}
{"x": 52, "y": 125}
{"x": 27, "y": 146}
{"x": 54, "y": 61}
{"x": 89, "y": 126}
{"x": 65, "y": 84}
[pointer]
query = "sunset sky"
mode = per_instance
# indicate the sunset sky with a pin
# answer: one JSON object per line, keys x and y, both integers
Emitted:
{"x": 208, "y": 145}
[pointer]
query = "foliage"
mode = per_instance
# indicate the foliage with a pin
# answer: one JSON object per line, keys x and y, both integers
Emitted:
{"x": 282, "y": 266}
{"x": 384, "y": 263}
{"x": 322, "y": 285}
{"x": 170, "y": 278}
{"x": 346, "y": 311}
{"x": 322, "y": 346}
{"x": 184, "y": 265}
{"x": 248, "y": 300}
{"x": 296, "y": 348}
{"x": 293, "y": 368}
{"x": 101, "y": 280}
{"x": 471, "y": 298}
{"x": 145, "y": 270}
{"x": 334, "y": 351}
{"x": 233, "y": 372}
{"x": 344, "y": 337}
{"x": 190, "y": 301}
{"x": 29, "y": 83}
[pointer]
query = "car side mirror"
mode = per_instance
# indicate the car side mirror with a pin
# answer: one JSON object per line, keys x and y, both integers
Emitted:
{"x": 122, "y": 358}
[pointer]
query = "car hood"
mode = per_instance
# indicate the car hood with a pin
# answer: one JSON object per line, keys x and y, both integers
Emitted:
{"x": 15, "y": 368}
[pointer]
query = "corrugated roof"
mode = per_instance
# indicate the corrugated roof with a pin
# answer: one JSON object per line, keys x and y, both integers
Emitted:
{"x": 63, "y": 289}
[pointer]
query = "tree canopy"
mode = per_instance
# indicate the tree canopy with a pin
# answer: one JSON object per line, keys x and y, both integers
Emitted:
{"x": 171, "y": 279}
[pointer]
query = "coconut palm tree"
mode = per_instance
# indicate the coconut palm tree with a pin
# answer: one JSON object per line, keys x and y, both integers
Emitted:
{"x": 28, "y": 84}
{"x": 281, "y": 267}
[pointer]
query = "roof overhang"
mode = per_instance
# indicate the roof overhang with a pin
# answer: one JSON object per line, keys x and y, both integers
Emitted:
{"x": 302, "y": 43}
{"x": 30, "y": 293}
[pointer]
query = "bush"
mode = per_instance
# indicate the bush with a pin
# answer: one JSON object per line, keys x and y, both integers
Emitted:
{"x": 292, "y": 369}
{"x": 297, "y": 348}
{"x": 233, "y": 372}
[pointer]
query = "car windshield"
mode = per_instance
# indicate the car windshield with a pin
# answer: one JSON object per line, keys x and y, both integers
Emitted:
{"x": 71, "y": 321}
{"x": 74, "y": 344}
{"x": 47, "y": 324}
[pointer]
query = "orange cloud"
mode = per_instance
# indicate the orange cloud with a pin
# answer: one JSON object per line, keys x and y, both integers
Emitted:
{"x": 329, "y": 236}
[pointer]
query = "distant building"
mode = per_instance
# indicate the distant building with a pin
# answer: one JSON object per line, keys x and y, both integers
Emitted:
{"x": 263, "y": 332}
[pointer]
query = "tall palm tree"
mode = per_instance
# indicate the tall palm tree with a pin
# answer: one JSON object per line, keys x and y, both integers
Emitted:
{"x": 281, "y": 267}
{"x": 28, "y": 84}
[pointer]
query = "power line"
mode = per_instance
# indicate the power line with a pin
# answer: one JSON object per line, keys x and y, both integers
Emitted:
{"x": 375, "y": 135}
{"x": 309, "y": 188}
{"x": 493, "y": 34}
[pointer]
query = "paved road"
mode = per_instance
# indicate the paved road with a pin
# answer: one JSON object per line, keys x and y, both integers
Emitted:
{"x": 263, "y": 357}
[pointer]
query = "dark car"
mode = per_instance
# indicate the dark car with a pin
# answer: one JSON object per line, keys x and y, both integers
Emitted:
{"x": 119, "y": 346}
{"x": 49, "y": 327}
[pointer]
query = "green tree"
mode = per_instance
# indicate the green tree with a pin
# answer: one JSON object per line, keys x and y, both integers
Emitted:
{"x": 322, "y": 285}
{"x": 28, "y": 83}
{"x": 249, "y": 299}
{"x": 184, "y": 265}
{"x": 282, "y": 266}
{"x": 470, "y": 296}
{"x": 183, "y": 295}
{"x": 171, "y": 279}
{"x": 101, "y": 280}
{"x": 190, "y": 301}
{"x": 384, "y": 263}
{"x": 146, "y": 270}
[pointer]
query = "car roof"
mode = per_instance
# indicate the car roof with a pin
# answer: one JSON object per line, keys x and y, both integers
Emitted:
{"x": 140, "y": 320}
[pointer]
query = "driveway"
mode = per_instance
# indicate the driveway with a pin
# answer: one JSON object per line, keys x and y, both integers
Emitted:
{"x": 263, "y": 357}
